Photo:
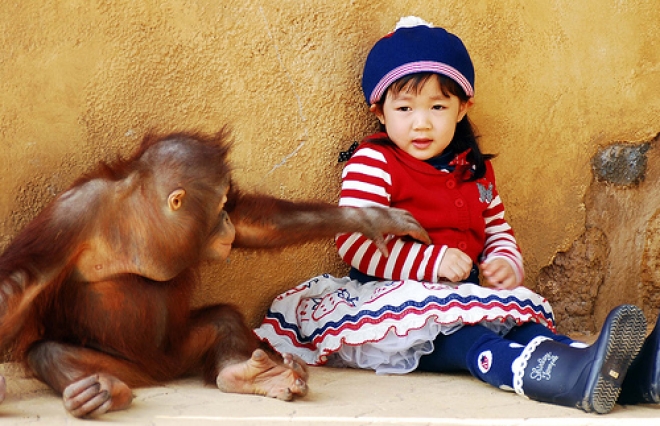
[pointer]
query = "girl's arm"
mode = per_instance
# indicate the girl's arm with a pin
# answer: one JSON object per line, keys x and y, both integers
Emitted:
{"x": 500, "y": 240}
{"x": 367, "y": 182}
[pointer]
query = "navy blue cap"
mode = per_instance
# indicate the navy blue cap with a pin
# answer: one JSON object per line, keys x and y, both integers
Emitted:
{"x": 414, "y": 47}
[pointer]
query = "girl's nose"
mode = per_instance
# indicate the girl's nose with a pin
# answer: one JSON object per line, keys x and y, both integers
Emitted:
{"x": 421, "y": 121}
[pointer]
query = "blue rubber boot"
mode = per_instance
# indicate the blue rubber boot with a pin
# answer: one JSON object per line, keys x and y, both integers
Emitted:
{"x": 642, "y": 383}
{"x": 586, "y": 378}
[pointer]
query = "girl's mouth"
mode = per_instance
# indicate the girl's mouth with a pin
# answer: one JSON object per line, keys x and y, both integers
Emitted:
{"x": 421, "y": 143}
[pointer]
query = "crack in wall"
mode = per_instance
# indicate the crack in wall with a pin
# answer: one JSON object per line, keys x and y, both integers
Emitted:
{"x": 301, "y": 113}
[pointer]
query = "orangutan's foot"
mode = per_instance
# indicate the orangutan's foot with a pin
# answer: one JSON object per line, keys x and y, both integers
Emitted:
{"x": 262, "y": 376}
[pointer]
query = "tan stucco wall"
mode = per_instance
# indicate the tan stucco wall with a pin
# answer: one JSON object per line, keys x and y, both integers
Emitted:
{"x": 81, "y": 81}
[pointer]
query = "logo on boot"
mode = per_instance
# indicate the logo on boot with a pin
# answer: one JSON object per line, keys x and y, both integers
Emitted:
{"x": 485, "y": 361}
{"x": 543, "y": 370}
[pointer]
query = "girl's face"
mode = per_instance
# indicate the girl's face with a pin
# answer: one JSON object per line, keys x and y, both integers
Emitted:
{"x": 421, "y": 122}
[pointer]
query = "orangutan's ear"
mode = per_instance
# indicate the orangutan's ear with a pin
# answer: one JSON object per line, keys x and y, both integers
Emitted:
{"x": 175, "y": 199}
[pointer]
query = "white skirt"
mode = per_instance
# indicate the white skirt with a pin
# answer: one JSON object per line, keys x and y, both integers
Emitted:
{"x": 388, "y": 326}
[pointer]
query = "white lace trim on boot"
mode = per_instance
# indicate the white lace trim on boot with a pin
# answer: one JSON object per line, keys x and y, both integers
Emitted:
{"x": 520, "y": 364}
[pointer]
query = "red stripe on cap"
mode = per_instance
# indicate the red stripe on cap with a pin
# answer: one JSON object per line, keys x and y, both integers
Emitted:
{"x": 421, "y": 66}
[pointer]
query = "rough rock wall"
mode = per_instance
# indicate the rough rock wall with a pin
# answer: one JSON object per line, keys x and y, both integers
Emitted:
{"x": 617, "y": 259}
{"x": 556, "y": 80}
{"x": 627, "y": 215}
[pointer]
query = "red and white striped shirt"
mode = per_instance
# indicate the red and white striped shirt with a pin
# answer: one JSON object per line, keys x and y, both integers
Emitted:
{"x": 464, "y": 215}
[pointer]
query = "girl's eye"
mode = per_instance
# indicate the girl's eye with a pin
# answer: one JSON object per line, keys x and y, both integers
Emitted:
{"x": 438, "y": 107}
{"x": 403, "y": 108}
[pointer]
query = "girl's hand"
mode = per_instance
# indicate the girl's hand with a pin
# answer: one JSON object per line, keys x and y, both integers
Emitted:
{"x": 455, "y": 265}
{"x": 499, "y": 274}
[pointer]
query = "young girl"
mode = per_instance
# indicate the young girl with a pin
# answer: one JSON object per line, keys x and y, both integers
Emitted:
{"x": 421, "y": 307}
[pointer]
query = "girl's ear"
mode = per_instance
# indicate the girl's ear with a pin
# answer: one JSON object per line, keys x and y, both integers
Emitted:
{"x": 377, "y": 110}
{"x": 463, "y": 109}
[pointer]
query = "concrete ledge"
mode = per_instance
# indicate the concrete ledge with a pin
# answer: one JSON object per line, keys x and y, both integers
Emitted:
{"x": 337, "y": 397}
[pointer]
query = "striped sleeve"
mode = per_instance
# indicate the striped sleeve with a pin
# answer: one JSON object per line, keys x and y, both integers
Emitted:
{"x": 500, "y": 240}
{"x": 367, "y": 182}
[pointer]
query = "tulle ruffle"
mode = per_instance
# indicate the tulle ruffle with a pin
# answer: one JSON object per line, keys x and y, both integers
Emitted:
{"x": 388, "y": 326}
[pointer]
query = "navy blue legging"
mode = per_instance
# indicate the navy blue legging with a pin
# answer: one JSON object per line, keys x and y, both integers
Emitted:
{"x": 450, "y": 351}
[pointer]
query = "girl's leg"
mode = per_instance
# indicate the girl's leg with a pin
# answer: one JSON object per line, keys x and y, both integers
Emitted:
{"x": 524, "y": 334}
{"x": 450, "y": 351}
{"x": 547, "y": 370}
{"x": 588, "y": 378}
{"x": 484, "y": 353}
{"x": 476, "y": 349}
{"x": 642, "y": 383}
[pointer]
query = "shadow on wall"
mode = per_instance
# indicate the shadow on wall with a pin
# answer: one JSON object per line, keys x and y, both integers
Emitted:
{"x": 617, "y": 259}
